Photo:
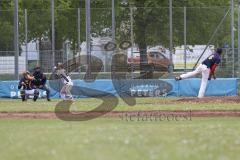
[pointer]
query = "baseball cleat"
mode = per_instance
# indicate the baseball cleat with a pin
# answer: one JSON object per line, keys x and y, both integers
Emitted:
{"x": 178, "y": 78}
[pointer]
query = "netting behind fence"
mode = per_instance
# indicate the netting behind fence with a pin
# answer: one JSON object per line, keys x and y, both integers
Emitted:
{"x": 195, "y": 31}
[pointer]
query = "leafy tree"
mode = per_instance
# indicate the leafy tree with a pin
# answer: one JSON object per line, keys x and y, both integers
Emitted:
{"x": 151, "y": 23}
{"x": 6, "y": 26}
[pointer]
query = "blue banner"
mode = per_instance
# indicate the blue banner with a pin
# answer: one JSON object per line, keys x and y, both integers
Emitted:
{"x": 134, "y": 88}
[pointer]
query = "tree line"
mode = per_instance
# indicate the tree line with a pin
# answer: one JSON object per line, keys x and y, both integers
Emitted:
{"x": 150, "y": 25}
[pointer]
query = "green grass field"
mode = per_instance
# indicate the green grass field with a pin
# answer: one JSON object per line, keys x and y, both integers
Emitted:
{"x": 114, "y": 138}
{"x": 91, "y": 103}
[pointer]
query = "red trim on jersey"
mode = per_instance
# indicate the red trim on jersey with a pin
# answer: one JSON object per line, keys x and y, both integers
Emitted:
{"x": 213, "y": 68}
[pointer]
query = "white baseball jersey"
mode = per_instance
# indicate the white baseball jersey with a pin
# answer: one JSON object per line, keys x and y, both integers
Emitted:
{"x": 64, "y": 76}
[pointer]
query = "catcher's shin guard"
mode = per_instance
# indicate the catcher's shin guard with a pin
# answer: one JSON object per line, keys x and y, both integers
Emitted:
{"x": 23, "y": 95}
{"x": 36, "y": 94}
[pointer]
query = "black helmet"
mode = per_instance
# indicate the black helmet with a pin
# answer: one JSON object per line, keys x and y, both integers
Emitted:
{"x": 219, "y": 50}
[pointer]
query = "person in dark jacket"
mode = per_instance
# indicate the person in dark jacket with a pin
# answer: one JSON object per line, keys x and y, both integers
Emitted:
{"x": 40, "y": 81}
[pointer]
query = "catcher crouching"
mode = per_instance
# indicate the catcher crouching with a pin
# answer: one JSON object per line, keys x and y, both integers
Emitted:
{"x": 26, "y": 86}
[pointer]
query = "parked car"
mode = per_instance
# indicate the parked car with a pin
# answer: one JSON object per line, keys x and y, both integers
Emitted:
{"x": 156, "y": 61}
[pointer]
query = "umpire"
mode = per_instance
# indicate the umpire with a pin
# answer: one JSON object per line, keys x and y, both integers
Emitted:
{"x": 40, "y": 81}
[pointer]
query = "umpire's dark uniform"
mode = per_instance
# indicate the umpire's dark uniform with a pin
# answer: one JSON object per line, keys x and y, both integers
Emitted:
{"x": 40, "y": 81}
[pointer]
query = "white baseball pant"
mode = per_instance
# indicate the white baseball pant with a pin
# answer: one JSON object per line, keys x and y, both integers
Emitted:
{"x": 65, "y": 92}
{"x": 205, "y": 75}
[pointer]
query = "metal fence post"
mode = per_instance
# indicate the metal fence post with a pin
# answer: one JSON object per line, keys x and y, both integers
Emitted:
{"x": 239, "y": 36}
{"x": 16, "y": 39}
{"x": 132, "y": 40}
{"x": 79, "y": 30}
{"x": 26, "y": 36}
{"x": 232, "y": 36}
{"x": 226, "y": 50}
{"x": 88, "y": 34}
{"x": 53, "y": 34}
{"x": 113, "y": 21}
{"x": 170, "y": 30}
{"x": 185, "y": 39}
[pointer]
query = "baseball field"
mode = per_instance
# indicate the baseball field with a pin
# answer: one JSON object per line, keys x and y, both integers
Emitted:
{"x": 155, "y": 128}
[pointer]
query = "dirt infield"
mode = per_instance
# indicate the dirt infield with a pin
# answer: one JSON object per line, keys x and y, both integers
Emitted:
{"x": 205, "y": 100}
{"x": 210, "y": 100}
{"x": 153, "y": 113}
{"x": 120, "y": 114}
